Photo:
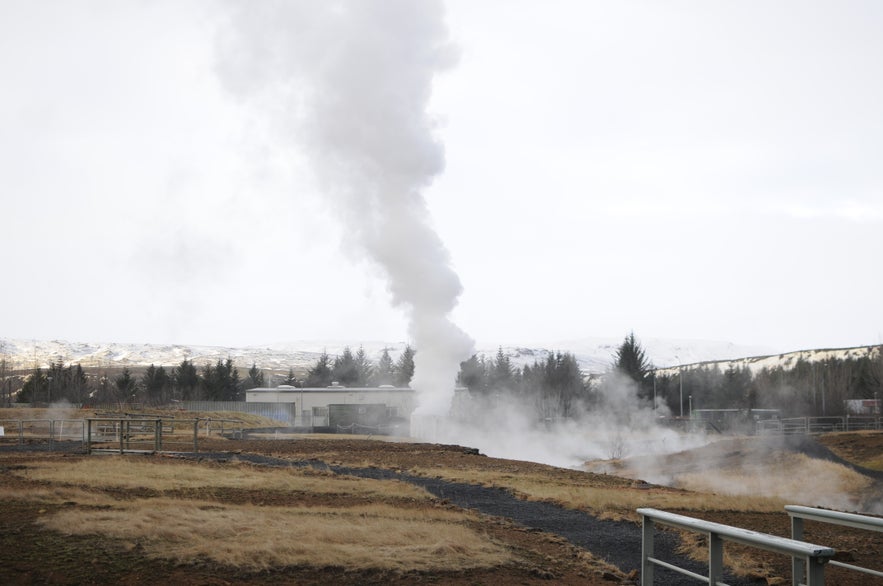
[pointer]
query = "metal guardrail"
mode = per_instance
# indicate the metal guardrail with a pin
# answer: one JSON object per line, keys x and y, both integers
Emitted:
{"x": 799, "y": 513}
{"x": 814, "y": 556}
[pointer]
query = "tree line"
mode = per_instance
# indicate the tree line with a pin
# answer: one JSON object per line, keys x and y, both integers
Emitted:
{"x": 815, "y": 389}
{"x": 220, "y": 381}
{"x": 809, "y": 388}
{"x": 350, "y": 369}
{"x": 156, "y": 385}
{"x": 553, "y": 387}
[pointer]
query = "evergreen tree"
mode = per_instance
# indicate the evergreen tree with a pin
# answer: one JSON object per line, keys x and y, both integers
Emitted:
{"x": 209, "y": 382}
{"x": 501, "y": 373}
{"x": 57, "y": 382}
{"x": 364, "y": 368}
{"x": 104, "y": 392}
{"x": 565, "y": 381}
{"x": 234, "y": 387}
{"x": 555, "y": 385}
{"x": 255, "y": 377}
{"x": 734, "y": 389}
{"x": 79, "y": 385}
{"x": 156, "y": 383}
{"x": 404, "y": 370}
{"x": 5, "y": 383}
{"x": 186, "y": 379}
{"x": 126, "y": 386}
{"x": 345, "y": 370}
{"x": 35, "y": 387}
{"x": 631, "y": 361}
{"x": 384, "y": 374}
{"x": 290, "y": 379}
{"x": 320, "y": 374}
{"x": 221, "y": 382}
{"x": 473, "y": 375}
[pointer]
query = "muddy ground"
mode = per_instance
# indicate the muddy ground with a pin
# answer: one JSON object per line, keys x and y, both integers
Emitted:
{"x": 550, "y": 543}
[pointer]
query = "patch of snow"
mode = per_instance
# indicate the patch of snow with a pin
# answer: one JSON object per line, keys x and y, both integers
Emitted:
{"x": 594, "y": 355}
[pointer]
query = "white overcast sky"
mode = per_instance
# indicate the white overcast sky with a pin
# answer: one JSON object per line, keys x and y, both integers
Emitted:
{"x": 692, "y": 170}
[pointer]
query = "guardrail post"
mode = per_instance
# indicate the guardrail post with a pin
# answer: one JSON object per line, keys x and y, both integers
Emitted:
{"x": 815, "y": 572}
{"x": 798, "y": 566}
{"x": 715, "y": 559}
{"x": 89, "y": 437}
{"x": 51, "y": 434}
{"x": 647, "y": 533}
{"x": 196, "y": 435}
{"x": 157, "y": 435}
{"x": 799, "y": 515}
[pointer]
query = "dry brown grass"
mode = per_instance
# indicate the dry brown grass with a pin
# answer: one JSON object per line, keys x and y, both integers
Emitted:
{"x": 370, "y": 536}
{"x": 874, "y": 463}
{"x": 790, "y": 477}
{"x": 81, "y": 499}
{"x": 742, "y": 560}
{"x": 165, "y": 475}
{"x": 53, "y": 495}
{"x": 617, "y": 502}
{"x": 864, "y": 448}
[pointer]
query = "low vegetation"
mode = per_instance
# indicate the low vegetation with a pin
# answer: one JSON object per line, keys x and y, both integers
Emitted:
{"x": 163, "y": 475}
{"x": 108, "y": 518}
{"x": 178, "y": 510}
{"x": 606, "y": 497}
{"x": 864, "y": 448}
{"x": 259, "y": 537}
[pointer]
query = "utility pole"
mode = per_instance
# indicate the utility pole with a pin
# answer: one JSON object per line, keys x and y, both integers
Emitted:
{"x": 654, "y": 393}
{"x": 681, "y": 380}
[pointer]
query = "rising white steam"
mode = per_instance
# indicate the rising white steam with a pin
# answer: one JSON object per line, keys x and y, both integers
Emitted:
{"x": 355, "y": 78}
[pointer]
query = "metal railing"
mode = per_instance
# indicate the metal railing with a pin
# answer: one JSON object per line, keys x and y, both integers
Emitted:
{"x": 863, "y": 422}
{"x": 806, "y": 425}
{"x": 798, "y": 514}
{"x": 22, "y": 431}
{"x": 814, "y": 556}
{"x": 152, "y": 434}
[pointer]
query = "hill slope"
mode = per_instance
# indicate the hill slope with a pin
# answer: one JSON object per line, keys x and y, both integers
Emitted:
{"x": 593, "y": 354}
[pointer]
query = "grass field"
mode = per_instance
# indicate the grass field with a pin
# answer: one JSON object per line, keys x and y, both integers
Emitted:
{"x": 73, "y": 519}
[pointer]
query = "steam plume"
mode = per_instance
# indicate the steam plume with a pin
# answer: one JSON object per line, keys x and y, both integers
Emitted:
{"x": 356, "y": 77}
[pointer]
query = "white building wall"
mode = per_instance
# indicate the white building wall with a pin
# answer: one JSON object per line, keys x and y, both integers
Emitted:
{"x": 401, "y": 399}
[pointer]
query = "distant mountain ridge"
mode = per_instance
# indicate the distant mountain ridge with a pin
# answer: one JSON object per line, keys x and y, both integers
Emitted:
{"x": 786, "y": 360}
{"x": 594, "y": 355}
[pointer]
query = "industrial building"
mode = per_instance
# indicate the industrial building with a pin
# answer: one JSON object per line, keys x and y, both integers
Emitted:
{"x": 338, "y": 406}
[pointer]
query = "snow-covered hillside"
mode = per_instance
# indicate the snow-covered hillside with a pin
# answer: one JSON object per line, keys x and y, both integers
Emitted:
{"x": 787, "y": 360}
{"x": 593, "y": 354}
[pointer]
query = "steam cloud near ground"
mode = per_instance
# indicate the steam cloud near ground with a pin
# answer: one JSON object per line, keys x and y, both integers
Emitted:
{"x": 350, "y": 82}
{"x": 619, "y": 425}
{"x": 622, "y": 435}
